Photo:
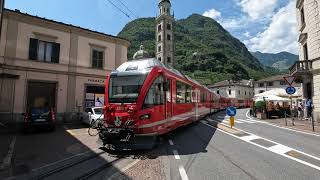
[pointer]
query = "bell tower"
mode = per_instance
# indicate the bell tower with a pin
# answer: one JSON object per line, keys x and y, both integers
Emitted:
{"x": 165, "y": 33}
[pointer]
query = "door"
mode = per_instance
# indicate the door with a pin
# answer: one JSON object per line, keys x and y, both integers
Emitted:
{"x": 196, "y": 102}
{"x": 168, "y": 99}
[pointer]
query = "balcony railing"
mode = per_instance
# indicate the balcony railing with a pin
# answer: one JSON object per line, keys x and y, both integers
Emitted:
{"x": 301, "y": 67}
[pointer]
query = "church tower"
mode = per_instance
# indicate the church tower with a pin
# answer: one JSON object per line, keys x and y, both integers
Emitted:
{"x": 165, "y": 34}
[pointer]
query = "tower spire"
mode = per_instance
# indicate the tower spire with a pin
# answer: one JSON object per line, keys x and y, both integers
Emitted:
{"x": 165, "y": 33}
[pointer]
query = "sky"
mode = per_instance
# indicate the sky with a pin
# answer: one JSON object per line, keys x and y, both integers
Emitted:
{"x": 268, "y": 26}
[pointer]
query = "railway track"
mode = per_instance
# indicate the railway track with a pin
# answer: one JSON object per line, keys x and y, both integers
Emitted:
{"x": 81, "y": 169}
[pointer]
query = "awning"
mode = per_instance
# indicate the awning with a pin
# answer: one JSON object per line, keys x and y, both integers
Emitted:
{"x": 271, "y": 98}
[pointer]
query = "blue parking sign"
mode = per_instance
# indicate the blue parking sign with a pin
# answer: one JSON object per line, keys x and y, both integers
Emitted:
{"x": 290, "y": 90}
{"x": 231, "y": 111}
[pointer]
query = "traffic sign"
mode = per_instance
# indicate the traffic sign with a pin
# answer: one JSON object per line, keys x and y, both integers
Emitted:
{"x": 289, "y": 79}
{"x": 290, "y": 90}
{"x": 231, "y": 111}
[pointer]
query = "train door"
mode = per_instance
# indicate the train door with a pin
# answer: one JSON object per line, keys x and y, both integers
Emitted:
{"x": 168, "y": 104}
{"x": 196, "y": 102}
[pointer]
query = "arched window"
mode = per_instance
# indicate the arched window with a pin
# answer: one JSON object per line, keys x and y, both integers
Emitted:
{"x": 155, "y": 95}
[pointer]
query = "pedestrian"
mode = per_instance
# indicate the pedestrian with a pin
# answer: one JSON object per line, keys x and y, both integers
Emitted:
{"x": 300, "y": 111}
{"x": 309, "y": 106}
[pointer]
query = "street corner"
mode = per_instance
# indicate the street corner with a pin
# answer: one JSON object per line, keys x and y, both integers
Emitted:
{"x": 153, "y": 165}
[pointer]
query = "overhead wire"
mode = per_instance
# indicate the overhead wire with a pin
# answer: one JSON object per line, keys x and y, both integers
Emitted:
{"x": 121, "y": 10}
{"x": 128, "y": 8}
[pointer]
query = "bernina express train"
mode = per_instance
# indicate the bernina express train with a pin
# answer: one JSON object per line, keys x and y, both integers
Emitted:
{"x": 145, "y": 99}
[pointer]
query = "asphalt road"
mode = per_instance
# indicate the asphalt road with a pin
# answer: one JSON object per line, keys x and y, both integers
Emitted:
{"x": 203, "y": 152}
{"x": 256, "y": 150}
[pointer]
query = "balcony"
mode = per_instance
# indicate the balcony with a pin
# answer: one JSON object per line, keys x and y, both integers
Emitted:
{"x": 302, "y": 67}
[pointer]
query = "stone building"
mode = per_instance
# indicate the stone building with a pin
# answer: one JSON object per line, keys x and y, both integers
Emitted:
{"x": 241, "y": 90}
{"x": 273, "y": 82}
{"x": 165, "y": 33}
{"x": 62, "y": 65}
{"x": 307, "y": 69}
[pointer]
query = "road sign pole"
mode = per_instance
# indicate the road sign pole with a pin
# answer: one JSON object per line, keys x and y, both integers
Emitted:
{"x": 231, "y": 121}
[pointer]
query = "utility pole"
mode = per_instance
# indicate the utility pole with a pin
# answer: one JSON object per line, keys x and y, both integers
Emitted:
{"x": 1, "y": 15}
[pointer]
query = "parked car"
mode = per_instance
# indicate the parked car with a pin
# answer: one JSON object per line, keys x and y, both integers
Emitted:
{"x": 40, "y": 118}
{"x": 92, "y": 113}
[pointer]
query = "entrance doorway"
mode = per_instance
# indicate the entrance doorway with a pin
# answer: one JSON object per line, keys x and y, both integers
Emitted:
{"x": 309, "y": 90}
{"x": 41, "y": 95}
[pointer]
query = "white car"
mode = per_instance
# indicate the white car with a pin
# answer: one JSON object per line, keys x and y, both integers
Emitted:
{"x": 92, "y": 113}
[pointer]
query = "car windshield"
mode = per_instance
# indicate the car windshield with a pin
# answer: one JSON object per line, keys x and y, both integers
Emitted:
{"x": 98, "y": 111}
{"x": 125, "y": 89}
{"x": 39, "y": 111}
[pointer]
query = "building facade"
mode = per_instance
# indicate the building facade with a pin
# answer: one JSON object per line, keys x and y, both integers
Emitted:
{"x": 47, "y": 62}
{"x": 307, "y": 69}
{"x": 273, "y": 82}
{"x": 229, "y": 89}
{"x": 165, "y": 33}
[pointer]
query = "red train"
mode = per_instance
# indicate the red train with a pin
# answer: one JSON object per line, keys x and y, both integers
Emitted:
{"x": 145, "y": 99}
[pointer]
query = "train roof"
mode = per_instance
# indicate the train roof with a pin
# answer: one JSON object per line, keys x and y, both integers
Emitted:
{"x": 144, "y": 66}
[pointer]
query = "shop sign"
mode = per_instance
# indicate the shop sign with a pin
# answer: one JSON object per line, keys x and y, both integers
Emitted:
{"x": 96, "y": 81}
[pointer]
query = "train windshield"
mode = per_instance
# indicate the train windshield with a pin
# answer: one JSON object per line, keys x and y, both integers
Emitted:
{"x": 125, "y": 89}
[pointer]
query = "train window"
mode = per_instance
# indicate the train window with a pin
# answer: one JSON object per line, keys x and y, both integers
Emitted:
{"x": 203, "y": 97}
{"x": 181, "y": 92}
{"x": 155, "y": 95}
{"x": 168, "y": 91}
{"x": 188, "y": 93}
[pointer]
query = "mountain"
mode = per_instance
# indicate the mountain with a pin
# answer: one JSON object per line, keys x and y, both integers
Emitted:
{"x": 281, "y": 61}
{"x": 220, "y": 55}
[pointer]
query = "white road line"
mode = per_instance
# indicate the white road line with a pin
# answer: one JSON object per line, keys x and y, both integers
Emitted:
{"x": 8, "y": 159}
{"x": 171, "y": 142}
{"x": 278, "y": 148}
{"x": 245, "y": 121}
{"x": 176, "y": 154}
{"x": 249, "y": 138}
{"x": 289, "y": 129}
{"x": 183, "y": 173}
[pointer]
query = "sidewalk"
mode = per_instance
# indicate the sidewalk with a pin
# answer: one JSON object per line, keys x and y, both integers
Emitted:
{"x": 302, "y": 125}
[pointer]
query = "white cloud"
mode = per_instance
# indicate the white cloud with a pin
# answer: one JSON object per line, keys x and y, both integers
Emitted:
{"x": 281, "y": 35}
{"x": 257, "y": 9}
{"x": 235, "y": 23}
{"x": 247, "y": 34}
{"x": 212, "y": 13}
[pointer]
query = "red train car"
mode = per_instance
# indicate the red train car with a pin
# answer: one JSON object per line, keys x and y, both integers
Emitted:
{"x": 146, "y": 99}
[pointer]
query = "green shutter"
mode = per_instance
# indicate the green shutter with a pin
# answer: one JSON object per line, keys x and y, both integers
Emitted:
{"x": 55, "y": 53}
{"x": 33, "y": 49}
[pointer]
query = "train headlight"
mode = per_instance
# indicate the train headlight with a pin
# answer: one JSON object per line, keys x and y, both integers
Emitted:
{"x": 145, "y": 117}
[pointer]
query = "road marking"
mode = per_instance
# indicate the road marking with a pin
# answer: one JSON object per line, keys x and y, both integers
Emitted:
{"x": 246, "y": 121}
{"x": 176, "y": 154}
{"x": 289, "y": 129}
{"x": 171, "y": 142}
{"x": 279, "y": 149}
{"x": 8, "y": 159}
{"x": 183, "y": 173}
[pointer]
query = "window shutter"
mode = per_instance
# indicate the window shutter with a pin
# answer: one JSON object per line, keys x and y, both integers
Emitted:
{"x": 55, "y": 53}
{"x": 94, "y": 58}
{"x": 33, "y": 48}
